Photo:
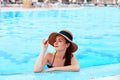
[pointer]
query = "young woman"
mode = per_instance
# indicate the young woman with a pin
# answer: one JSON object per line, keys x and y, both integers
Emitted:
{"x": 63, "y": 59}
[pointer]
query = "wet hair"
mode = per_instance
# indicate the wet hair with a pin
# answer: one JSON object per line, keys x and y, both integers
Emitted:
{"x": 68, "y": 54}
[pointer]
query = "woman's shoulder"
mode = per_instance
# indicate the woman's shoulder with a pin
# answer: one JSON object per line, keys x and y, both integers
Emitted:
{"x": 50, "y": 54}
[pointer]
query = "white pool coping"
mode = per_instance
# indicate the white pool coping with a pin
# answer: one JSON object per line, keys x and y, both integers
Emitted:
{"x": 32, "y": 9}
{"x": 117, "y": 77}
{"x": 104, "y": 72}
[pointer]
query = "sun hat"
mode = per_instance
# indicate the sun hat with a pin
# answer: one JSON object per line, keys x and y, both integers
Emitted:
{"x": 66, "y": 34}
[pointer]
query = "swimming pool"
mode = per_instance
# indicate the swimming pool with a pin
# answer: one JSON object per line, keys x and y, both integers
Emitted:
{"x": 96, "y": 31}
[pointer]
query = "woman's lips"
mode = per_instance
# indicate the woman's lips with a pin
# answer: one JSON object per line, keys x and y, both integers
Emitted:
{"x": 55, "y": 46}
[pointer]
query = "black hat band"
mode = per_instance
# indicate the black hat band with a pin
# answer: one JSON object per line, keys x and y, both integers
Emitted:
{"x": 66, "y": 34}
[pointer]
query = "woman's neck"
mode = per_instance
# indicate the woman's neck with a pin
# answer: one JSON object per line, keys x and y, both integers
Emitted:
{"x": 60, "y": 54}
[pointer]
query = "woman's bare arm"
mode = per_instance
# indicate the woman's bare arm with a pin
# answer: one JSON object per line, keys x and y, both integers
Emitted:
{"x": 42, "y": 58}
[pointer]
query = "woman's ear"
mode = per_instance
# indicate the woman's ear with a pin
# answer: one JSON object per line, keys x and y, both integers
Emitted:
{"x": 68, "y": 44}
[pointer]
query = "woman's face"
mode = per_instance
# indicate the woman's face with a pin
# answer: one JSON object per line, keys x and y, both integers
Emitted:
{"x": 60, "y": 43}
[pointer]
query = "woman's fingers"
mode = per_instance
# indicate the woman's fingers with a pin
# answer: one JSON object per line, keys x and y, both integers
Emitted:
{"x": 45, "y": 44}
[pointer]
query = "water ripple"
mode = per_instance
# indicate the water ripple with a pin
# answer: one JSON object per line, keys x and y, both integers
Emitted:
{"x": 10, "y": 57}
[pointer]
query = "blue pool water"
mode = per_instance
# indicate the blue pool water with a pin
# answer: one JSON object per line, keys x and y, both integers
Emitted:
{"x": 95, "y": 30}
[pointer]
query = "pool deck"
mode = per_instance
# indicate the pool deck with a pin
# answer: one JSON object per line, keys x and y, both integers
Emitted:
{"x": 105, "y": 72}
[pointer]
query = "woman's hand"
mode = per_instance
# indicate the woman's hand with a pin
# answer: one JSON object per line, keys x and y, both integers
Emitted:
{"x": 45, "y": 44}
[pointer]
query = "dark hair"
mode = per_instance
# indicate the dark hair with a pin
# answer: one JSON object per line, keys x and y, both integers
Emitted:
{"x": 68, "y": 54}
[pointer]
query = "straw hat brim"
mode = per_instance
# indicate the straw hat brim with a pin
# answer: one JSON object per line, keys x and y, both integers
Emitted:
{"x": 52, "y": 36}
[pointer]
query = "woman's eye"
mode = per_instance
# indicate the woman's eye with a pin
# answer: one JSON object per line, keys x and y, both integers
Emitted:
{"x": 60, "y": 40}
